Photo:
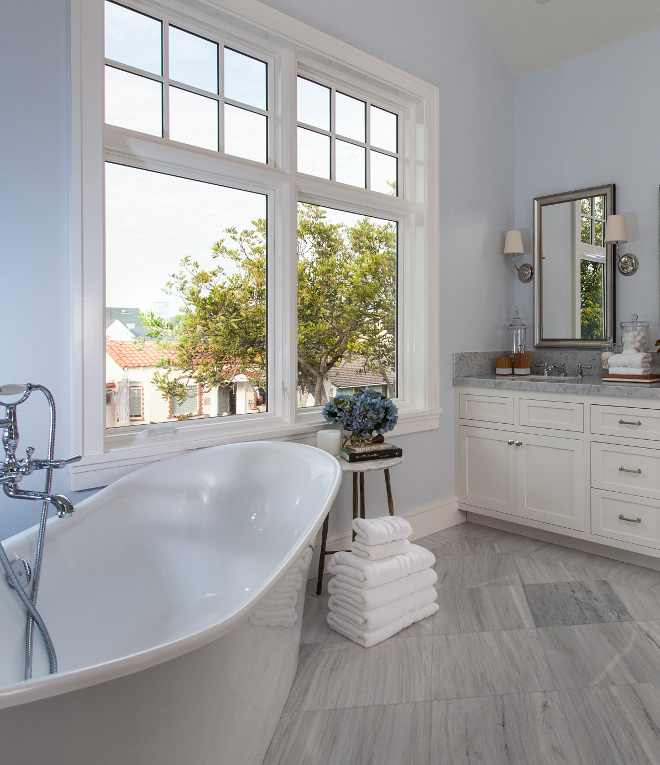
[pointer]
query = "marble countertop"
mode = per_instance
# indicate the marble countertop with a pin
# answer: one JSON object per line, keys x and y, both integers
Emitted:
{"x": 592, "y": 385}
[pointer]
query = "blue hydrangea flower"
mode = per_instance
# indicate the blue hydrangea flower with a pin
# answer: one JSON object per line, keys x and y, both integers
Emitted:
{"x": 364, "y": 414}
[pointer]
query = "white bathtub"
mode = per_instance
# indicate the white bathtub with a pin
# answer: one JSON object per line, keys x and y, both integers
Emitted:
{"x": 150, "y": 592}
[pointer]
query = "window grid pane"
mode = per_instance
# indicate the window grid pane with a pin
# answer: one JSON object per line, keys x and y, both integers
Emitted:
{"x": 183, "y": 73}
{"x": 341, "y": 120}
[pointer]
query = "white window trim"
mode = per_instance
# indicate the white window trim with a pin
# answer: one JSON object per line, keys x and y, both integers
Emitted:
{"x": 300, "y": 48}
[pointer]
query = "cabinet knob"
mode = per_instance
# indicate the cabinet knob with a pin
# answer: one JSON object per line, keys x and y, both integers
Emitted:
{"x": 518, "y": 443}
{"x": 511, "y": 442}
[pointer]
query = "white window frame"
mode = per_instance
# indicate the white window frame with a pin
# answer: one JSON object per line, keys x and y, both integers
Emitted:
{"x": 290, "y": 48}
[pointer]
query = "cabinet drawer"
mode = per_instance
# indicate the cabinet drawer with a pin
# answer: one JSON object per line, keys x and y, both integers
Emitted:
{"x": 625, "y": 421}
{"x": 553, "y": 415}
{"x": 628, "y": 469}
{"x": 486, "y": 408}
{"x": 640, "y": 522}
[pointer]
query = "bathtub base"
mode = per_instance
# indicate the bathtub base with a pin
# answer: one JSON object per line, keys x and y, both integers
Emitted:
{"x": 217, "y": 705}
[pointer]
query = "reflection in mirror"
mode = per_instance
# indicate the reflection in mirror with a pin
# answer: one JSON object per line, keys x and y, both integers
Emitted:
{"x": 573, "y": 293}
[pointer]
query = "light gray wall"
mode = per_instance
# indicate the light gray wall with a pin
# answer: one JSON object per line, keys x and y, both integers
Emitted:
{"x": 592, "y": 121}
{"x": 439, "y": 41}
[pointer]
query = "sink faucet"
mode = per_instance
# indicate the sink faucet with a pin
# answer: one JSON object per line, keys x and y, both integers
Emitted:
{"x": 581, "y": 368}
{"x": 561, "y": 370}
{"x": 545, "y": 368}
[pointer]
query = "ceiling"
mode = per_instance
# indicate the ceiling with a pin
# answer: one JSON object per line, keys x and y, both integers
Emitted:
{"x": 531, "y": 36}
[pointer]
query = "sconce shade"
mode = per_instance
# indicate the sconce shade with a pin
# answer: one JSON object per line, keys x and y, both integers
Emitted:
{"x": 513, "y": 243}
{"x": 615, "y": 229}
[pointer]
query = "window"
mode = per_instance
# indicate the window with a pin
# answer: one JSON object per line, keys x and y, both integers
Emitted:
{"x": 590, "y": 264}
{"x": 188, "y": 404}
{"x": 136, "y": 408}
{"x": 221, "y": 138}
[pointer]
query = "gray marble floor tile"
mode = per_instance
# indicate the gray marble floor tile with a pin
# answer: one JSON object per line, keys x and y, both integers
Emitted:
{"x": 447, "y": 535}
{"x": 537, "y": 569}
{"x": 600, "y": 654}
{"x": 378, "y": 735}
{"x": 315, "y": 628}
{"x": 489, "y": 663}
{"x": 481, "y": 609}
{"x": 487, "y": 570}
{"x": 615, "y": 725}
{"x": 519, "y": 729}
{"x": 617, "y": 571}
{"x": 560, "y": 604}
{"x": 393, "y": 672}
{"x": 309, "y": 656}
{"x": 643, "y": 603}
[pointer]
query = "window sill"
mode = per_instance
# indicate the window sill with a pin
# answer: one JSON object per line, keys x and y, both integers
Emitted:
{"x": 133, "y": 451}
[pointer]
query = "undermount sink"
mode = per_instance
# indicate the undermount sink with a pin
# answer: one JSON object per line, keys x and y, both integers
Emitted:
{"x": 550, "y": 378}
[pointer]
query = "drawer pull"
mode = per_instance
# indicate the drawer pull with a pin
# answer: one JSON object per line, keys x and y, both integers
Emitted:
{"x": 627, "y": 470}
{"x": 626, "y": 422}
{"x": 630, "y": 520}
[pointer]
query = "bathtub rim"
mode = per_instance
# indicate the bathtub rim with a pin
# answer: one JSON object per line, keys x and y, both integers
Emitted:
{"x": 48, "y": 686}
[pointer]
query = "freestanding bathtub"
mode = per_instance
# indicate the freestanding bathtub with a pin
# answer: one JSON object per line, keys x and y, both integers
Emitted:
{"x": 152, "y": 593}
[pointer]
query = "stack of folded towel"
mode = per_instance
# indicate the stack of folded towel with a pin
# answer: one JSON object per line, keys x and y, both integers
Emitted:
{"x": 383, "y": 585}
{"x": 628, "y": 363}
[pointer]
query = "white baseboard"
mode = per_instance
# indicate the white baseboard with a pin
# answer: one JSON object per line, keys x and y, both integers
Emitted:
{"x": 424, "y": 520}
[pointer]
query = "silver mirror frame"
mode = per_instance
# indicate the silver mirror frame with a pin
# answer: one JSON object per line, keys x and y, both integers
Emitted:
{"x": 570, "y": 196}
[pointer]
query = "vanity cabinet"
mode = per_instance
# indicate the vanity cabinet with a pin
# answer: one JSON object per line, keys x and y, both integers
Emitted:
{"x": 517, "y": 474}
{"x": 582, "y": 465}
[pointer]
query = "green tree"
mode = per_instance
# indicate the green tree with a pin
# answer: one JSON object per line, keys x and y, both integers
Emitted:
{"x": 346, "y": 307}
{"x": 591, "y": 300}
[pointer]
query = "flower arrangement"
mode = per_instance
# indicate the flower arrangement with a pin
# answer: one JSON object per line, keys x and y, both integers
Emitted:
{"x": 364, "y": 414}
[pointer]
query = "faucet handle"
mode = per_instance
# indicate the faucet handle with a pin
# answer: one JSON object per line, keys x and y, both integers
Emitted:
{"x": 56, "y": 464}
{"x": 581, "y": 368}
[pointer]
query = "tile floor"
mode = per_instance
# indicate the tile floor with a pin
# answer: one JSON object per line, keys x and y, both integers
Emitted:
{"x": 538, "y": 655}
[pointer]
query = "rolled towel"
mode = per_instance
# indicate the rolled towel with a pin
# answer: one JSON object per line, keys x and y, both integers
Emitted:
{"x": 379, "y": 552}
{"x": 373, "y": 597}
{"x": 633, "y": 360}
{"x": 375, "y": 618}
{"x": 629, "y": 370}
{"x": 368, "y": 639}
{"x": 372, "y": 573}
{"x": 377, "y": 531}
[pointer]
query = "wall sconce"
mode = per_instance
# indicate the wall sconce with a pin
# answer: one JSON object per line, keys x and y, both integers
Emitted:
{"x": 615, "y": 233}
{"x": 512, "y": 246}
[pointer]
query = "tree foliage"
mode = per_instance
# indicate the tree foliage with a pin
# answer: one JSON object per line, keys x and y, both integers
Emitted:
{"x": 346, "y": 307}
{"x": 591, "y": 300}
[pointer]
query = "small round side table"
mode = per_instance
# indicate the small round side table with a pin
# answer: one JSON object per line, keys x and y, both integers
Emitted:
{"x": 358, "y": 469}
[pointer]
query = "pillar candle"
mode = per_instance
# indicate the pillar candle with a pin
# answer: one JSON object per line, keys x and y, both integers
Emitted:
{"x": 329, "y": 441}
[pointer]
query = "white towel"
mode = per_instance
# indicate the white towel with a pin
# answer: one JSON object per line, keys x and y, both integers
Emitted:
{"x": 372, "y": 573}
{"x": 629, "y": 370}
{"x": 373, "y": 597}
{"x": 631, "y": 360}
{"x": 375, "y": 618}
{"x": 377, "y": 531}
{"x": 368, "y": 639}
{"x": 379, "y": 552}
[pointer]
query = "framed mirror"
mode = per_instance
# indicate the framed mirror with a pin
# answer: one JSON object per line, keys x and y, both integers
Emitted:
{"x": 573, "y": 269}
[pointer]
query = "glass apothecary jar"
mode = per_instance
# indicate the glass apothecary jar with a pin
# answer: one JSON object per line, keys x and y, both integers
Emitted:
{"x": 635, "y": 335}
{"x": 516, "y": 334}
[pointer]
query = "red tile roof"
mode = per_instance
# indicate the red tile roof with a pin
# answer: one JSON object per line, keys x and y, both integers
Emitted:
{"x": 128, "y": 354}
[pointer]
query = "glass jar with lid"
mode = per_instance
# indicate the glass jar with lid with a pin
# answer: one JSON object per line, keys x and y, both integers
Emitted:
{"x": 635, "y": 336}
{"x": 516, "y": 334}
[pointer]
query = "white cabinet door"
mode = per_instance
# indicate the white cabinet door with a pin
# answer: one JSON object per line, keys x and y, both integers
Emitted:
{"x": 488, "y": 468}
{"x": 551, "y": 481}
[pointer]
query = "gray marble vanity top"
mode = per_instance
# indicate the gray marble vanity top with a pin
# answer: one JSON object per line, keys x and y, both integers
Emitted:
{"x": 477, "y": 369}
{"x": 587, "y": 386}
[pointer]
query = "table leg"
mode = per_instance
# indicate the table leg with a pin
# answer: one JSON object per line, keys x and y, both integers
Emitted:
{"x": 355, "y": 498}
{"x": 324, "y": 537}
{"x": 362, "y": 508}
{"x": 388, "y": 486}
